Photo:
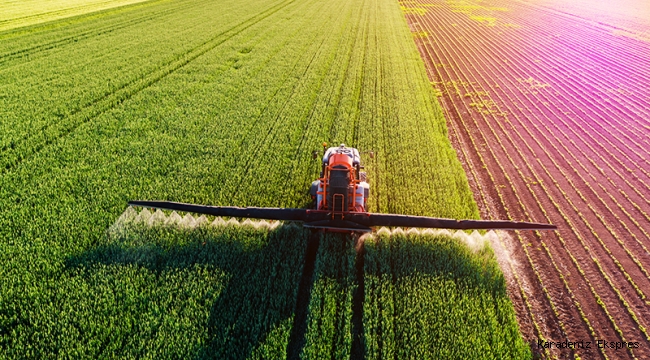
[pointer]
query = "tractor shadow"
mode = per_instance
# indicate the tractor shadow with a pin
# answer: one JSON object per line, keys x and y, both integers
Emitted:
{"x": 264, "y": 270}
{"x": 402, "y": 268}
{"x": 271, "y": 276}
{"x": 441, "y": 254}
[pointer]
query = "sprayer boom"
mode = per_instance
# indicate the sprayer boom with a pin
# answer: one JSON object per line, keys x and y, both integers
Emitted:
{"x": 344, "y": 221}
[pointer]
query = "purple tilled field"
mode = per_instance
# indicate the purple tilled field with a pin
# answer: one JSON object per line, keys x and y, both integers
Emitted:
{"x": 548, "y": 106}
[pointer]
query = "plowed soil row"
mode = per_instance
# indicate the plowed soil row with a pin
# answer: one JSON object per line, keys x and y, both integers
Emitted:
{"x": 550, "y": 114}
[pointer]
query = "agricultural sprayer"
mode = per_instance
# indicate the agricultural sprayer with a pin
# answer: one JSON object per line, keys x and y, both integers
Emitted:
{"x": 339, "y": 198}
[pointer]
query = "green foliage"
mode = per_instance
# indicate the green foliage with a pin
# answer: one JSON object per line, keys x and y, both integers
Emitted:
{"x": 29, "y": 12}
{"x": 224, "y": 110}
{"x": 212, "y": 102}
{"x": 431, "y": 297}
{"x": 329, "y": 332}
{"x": 211, "y": 291}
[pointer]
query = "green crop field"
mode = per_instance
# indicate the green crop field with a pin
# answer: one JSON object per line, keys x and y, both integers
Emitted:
{"x": 220, "y": 102}
{"x": 429, "y": 296}
{"x": 192, "y": 289}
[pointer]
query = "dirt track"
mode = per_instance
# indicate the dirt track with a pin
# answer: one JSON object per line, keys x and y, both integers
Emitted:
{"x": 549, "y": 110}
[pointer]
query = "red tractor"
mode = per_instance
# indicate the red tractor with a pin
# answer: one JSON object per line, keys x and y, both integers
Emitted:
{"x": 342, "y": 186}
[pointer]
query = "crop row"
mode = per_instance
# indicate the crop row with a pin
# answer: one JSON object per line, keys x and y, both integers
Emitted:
{"x": 592, "y": 230}
{"x": 542, "y": 184}
{"x": 31, "y": 125}
{"x": 329, "y": 323}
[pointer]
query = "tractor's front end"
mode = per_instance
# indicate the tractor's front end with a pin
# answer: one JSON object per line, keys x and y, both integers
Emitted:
{"x": 342, "y": 186}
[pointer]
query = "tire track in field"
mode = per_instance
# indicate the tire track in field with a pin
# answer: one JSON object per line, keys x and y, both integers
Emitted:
{"x": 358, "y": 349}
{"x": 14, "y": 141}
{"x": 272, "y": 106}
{"x": 390, "y": 156}
{"x": 333, "y": 91}
{"x": 32, "y": 145}
{"x": 4, "y": 148}
{"x": 265, "y": 143}
{"x": 248, "y": 137}
{"x": 372, "y": 64}
{"x": 354, "y": 93}
{"x": 297, "y": 339}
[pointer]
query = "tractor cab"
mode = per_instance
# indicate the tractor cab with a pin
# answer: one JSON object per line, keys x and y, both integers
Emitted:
{"x": 342, "y": 187}
{"x": 340, "y": 151}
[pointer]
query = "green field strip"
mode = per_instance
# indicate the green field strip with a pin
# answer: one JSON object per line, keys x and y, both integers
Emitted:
{"x": 343, "y": 129}
{"x": 417, "y": 129}
{"x": 321, "y": 115}
{"x": 295, "y": 106}
{"x": 172, "y": 282}
{"x": 290, "y": 106}
{"x": 16, "y": 50}
{"x": 35, "y": 43}
{"x": 259, "y": 128}
{"x": 102, "y": 67}
{"x": 432, "y": 297}
{"x": 71, "y": 25}
{"x": 99, "y": 125}
{"x": 42, "y": 90}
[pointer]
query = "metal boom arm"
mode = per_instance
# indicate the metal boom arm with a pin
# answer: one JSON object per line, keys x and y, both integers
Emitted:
{"x": 322, "y": 218}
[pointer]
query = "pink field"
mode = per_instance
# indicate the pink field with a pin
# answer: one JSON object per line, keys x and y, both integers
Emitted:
{"x": 548, "y": 106}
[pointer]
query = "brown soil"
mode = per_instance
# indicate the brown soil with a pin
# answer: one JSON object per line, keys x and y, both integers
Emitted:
{"x": 549, "y": 113}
